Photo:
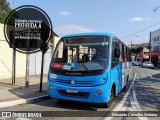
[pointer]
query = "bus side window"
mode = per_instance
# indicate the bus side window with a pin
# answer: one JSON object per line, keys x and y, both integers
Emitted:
{"x": 130, "y": 55}
{"x": 125, "y": 54}
{"x": 121, "y": 52}
{"x": 115, "y": 47}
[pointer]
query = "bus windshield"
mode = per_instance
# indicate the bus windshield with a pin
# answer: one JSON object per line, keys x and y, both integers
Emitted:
{"x": 81, "y": 54}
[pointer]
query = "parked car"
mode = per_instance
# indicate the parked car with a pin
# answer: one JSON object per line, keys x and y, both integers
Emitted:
{"x": 148, "y": 64}
{"x": 138, "y": 63}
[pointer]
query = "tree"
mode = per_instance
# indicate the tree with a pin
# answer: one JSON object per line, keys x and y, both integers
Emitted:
{"x": 4, "y": 10}
{"x": 136, "y": 50}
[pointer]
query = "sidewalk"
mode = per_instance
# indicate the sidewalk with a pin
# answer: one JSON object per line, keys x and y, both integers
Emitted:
{"x": 19, "y": 94}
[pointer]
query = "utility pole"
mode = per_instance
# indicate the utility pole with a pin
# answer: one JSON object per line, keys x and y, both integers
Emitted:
{"x": 150, "y": 47}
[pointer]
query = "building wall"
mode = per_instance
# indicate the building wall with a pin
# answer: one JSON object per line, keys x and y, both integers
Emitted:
{"x": 6, "y": 58}
{"x": 6, "y": 54}
{"x": 155, "y": 46}
{"x": 145, "y": 50}
{"x": 139, "y": 45}
{"x": 35, "y": 62}
{"x": 155, "y": 40}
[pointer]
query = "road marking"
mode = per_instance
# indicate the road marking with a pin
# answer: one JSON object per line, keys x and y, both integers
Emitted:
{"x": 120, "y": 105}
{"x": 135, "y": 104}
{"x": 132, "y": 103}
{"x": 138, "y": 108}
{"x": 153, "y": 77}
{"x": 133, "y": 100}
{"x": 118, "y": 108}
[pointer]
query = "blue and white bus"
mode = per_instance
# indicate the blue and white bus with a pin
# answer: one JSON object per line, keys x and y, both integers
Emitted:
{"x": 89, "y": 67}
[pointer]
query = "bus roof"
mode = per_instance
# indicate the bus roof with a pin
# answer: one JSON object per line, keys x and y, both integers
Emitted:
{"x": 90, "y": 34}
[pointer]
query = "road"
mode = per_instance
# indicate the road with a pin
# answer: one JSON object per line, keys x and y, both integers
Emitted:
{"x": 141, "y": 94}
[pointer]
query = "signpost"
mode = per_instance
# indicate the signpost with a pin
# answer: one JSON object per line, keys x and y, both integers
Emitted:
{"x": 14, "y": 67}
{"x": 27, "y": 71}
{"x": 150, "y": 47}
{"x": 44, "y": 49}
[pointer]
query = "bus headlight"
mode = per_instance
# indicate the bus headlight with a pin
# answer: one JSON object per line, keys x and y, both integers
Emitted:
{"x": 50, "y": 87}
{"x": 99, "y": 92}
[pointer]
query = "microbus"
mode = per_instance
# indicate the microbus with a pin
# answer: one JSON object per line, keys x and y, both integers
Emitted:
{"x": 89, "y": 67}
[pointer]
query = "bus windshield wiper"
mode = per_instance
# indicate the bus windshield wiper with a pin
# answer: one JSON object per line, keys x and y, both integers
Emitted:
{"x": 85, "y": 67}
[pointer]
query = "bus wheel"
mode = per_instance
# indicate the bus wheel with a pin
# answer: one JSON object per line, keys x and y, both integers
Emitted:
{"x": 127, "y": 78}
{"x": 111, "y": 98}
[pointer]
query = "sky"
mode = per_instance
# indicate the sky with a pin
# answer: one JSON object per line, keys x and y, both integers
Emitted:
{"x": 121, "y": 17}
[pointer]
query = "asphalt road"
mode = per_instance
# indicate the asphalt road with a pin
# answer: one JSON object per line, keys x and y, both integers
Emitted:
{"x": 141, "y": 94}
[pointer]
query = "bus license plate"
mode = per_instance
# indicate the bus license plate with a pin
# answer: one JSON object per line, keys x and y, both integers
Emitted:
{"x": 72, "y": 91}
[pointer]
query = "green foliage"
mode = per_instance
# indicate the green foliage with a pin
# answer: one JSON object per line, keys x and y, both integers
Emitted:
{"x": 4, "y": 10}
{"x": 136, "y": 50}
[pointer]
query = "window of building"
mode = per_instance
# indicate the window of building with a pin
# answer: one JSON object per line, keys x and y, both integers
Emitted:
{"x": 156, "y": 48}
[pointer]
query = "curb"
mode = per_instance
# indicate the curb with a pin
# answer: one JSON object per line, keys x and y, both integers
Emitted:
{"x": 23, "y": 101}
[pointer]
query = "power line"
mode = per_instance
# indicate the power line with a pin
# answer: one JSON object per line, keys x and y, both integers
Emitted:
{"x": 141, "y": 30}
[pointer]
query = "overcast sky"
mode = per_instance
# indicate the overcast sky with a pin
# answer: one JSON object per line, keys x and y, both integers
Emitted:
{"x": 121, "y": 17}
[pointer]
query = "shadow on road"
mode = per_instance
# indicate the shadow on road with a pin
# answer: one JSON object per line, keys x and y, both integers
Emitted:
{"x": 148, "y": 91}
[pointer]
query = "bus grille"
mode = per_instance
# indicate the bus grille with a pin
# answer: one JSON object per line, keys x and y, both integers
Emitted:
{"x": 72, "y": 82}
{"x": 76, "y": 95}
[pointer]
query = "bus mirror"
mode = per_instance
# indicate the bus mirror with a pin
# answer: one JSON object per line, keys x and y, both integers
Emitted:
{"x": 117, "y": 53}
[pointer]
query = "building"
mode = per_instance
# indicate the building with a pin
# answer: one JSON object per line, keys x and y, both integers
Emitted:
{"x": 155, "y": 47}
{"x": 139, "y": 45}
{"x": 141, "y": 56}
{"x": 154, "y": 53}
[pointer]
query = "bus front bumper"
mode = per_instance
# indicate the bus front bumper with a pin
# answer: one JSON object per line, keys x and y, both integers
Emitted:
{"x": 96, "y": 94}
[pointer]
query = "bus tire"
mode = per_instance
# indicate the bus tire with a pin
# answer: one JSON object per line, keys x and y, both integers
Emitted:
{"x": 109, "y": 103}
{"x": 127, "y": 78}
